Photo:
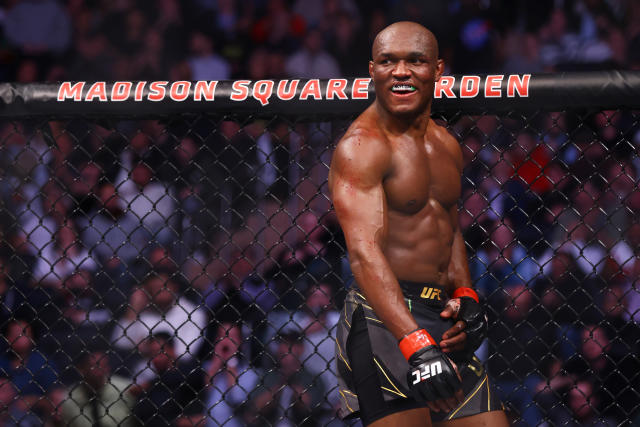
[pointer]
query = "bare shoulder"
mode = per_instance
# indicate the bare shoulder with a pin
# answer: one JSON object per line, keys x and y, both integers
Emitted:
{"x": 363, "y": 151}
{"x": 448, "y": 141}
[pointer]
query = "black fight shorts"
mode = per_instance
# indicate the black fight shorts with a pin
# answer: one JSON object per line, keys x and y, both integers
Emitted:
{"x": 372, "y": 372}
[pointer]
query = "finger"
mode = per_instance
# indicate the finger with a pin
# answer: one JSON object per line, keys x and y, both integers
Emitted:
{"x": 429, "y": 393}
{"x": 457, "y": 327}
{"x": 433, "y": 407}
{"x": 454, "y": 344}
{"x": 443, "y": 405}
{"x": 447, "y": 312}
{"x": 443, "y": 390}
{"x": 452, "y": 402}
{"x": 457, "y": 371}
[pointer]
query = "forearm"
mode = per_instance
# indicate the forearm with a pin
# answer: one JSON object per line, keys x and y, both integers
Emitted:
{"x": 380, "y": 286}
{"x": 458, "y": 270}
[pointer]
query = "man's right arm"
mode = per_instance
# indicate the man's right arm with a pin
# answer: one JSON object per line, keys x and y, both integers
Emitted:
{"x": 358, "y": 168}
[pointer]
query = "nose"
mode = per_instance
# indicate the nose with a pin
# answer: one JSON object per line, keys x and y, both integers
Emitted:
{"x": 400, "y": 71}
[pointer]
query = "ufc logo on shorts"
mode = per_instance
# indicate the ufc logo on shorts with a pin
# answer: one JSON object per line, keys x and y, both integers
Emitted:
{"x": 430, "y": 293}
{"x": 427, "y": 372}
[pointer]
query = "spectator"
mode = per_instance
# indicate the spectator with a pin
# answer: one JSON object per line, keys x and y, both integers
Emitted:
{"x": 474, "y": 47}
{"x": 111, "y": 231}
{"x": 62, "y": 258}
{"x": 571, "y": 298}
{"x": 229, "y": 378}
{"x": 279, "y": 28}
{"x": 349, "y": 46}
{"x": 312, "y": 61}
{"x": 11, "y": 413}
{"x": 32, "y": 374}
{"x": 240, "y": 293}
{"x": 204, "y": 63}
{"x": 521, "y": 346}
{"x": 304, "y": 264}
{"x": 173, "y": 396}
{"x": 151, "y": 202}
{"x": 503, "y": 261}
{"x": 37, "y": 226}
{"x": 624, "y": 333}
{"x": 610, "y": 375}
{"x": 585, "y": 405}
{"x": 13, "y": 295}
{"x": 523, "y": 55}
{"x": 626, "y": 254}
{"x": 288, "y": 393}
{"x": 158, "y": 306}
{"x": 99, "y": 398}
{"x": 316, "y": 321}
{"x": 38, "y": 26}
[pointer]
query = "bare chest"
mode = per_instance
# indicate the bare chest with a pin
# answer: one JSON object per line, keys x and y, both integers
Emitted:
{"x": 421, "y": 173}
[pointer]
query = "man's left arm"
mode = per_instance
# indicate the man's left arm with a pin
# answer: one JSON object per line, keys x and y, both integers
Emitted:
{"x": 464, "y": 306}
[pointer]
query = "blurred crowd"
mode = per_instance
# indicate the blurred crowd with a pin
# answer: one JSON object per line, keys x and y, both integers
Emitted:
{"x": 549, "y": 214}
{"x": 165, "y": 272}
{"x": 53, "y": 40}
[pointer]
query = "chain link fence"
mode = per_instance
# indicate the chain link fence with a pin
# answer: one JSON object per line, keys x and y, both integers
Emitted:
{"x": 189, "y": 269}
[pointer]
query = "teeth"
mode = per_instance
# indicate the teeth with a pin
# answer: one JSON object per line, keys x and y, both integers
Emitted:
{"x": 403, "y": 88}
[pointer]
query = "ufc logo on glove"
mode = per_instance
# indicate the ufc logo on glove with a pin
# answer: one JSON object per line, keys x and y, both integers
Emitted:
{"x": 429, "y": 371}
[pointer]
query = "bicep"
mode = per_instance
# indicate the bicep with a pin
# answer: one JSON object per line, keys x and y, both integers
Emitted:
{"x": 358, "y": 195}
{"x": 361, "y": 212}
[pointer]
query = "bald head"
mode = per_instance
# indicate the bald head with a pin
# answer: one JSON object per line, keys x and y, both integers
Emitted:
{"x": 400, "y": 33}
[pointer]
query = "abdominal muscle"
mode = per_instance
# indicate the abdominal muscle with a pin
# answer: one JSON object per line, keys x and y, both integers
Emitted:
{"x": 418, "y": 246}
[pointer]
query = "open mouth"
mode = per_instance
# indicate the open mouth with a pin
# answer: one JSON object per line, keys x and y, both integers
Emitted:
{"x": 403, "y": 89}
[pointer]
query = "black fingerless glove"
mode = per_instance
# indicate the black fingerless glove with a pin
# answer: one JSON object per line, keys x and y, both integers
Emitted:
{"x": 472, "y": 313}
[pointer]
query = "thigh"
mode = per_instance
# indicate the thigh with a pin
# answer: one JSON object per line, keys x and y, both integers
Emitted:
{"x": 418, "y": 417}
{"x": 488, "y": 419}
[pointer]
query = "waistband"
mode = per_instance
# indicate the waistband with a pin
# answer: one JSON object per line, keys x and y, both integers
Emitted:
{"x": 424, "y": 293}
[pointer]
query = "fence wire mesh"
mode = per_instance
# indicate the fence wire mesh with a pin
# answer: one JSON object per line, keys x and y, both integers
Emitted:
{"x": 190, "y": 270}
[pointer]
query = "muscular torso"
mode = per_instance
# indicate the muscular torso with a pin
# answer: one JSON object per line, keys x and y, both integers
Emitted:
{"x": 422, "y": 188}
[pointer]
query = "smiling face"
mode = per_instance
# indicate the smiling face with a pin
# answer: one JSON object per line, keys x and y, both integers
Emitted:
{"x": 404, "y": 68}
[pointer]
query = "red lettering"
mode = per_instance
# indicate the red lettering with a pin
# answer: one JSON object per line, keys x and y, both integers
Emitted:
{"x": 239, "y": 90}
{"x": 336, "y": 87}
{"x": 97, "y": 90}
{"x": 205, "y": 89}
{"x": 360, "y": 89}
{"x": 282, "y": 91}
{"x": 445, "y": 85}
{"x": 516, "y": 84}
{"x": 67, "y": 91}
{"x": 139, "y": 91}
{"x": 469, "y": 91}
{"x": 311, "y": 88}
{"x": 120, "y": 91}
{"x": 179, "y": 90}
{"x": 157, "y": 91}
{"x": 262, "y": 91}
{"x": 493, "y": 86}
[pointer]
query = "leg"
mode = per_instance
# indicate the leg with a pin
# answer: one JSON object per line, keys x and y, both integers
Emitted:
{"x": 488, "y": 419}
{"x": 412, "y": 418}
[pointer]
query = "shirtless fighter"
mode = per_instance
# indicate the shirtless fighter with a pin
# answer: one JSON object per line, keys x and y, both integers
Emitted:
{"x": 404, "y": 347}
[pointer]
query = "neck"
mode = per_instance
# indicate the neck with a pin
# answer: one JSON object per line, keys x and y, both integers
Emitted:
{"x": 410, "y": 124}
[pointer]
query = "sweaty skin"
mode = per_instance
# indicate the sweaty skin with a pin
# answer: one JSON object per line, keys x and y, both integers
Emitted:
{"x": 395, "y": 180}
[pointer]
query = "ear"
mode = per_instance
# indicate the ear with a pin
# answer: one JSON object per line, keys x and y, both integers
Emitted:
{"x": 439, "y": 69}
{"x": 371, "y": 69}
